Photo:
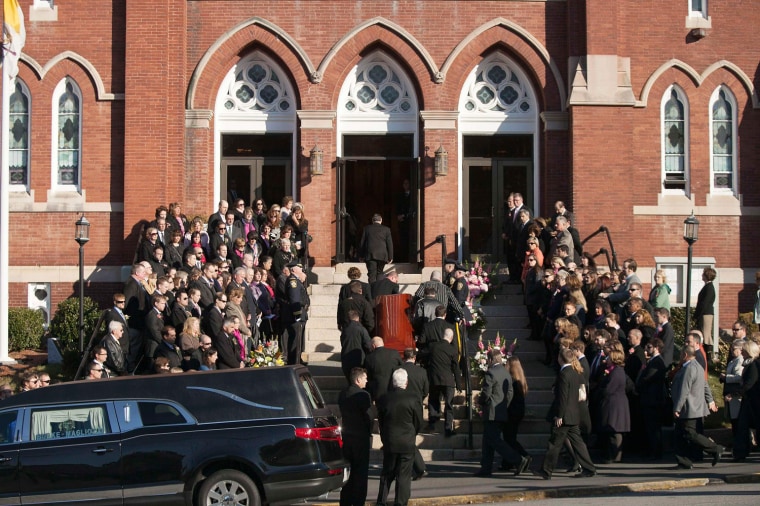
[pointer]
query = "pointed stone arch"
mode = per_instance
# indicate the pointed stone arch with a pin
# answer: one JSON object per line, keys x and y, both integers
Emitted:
{"x": 392, "y": 27}
{"x": 204, "y": 79}
{"x": 83, "y": 62}
{"x": 521, "y": 41}
{"x": 698, "y": 78}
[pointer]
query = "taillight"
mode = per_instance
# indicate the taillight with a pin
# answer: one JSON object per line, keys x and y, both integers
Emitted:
{"x": 321, "y": 433}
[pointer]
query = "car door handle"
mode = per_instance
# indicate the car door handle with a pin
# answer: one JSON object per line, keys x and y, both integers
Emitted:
{"x": 102, "y": 450}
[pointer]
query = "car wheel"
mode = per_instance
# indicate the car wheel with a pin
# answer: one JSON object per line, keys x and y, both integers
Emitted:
{"x": 228, "y": 488}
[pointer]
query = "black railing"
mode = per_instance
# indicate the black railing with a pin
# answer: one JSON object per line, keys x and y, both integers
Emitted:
{"x": 611, "y": 261}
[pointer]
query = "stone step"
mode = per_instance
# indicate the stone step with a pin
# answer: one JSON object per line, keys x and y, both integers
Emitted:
{"x": 496, "y": 311}
{"x": 506, "y": 322}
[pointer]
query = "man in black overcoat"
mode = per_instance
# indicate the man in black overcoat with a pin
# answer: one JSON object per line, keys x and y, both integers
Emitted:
{"x": 376, "y": 247}
{"x": 400, "y": 415}
{"x": 444, "y": 376}
{"x": 380, "y": 365}
{"x": 356, "y": 424}
{"x": 355, "y": 343}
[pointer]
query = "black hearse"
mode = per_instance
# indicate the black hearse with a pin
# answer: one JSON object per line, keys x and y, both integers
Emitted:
{"x": 247, "y": 436}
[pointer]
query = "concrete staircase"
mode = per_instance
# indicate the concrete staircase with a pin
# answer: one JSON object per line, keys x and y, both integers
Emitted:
{"x": 505, "y": 314}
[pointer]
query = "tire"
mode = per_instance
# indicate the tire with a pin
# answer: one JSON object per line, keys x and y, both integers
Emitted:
{"x": 228, "y": 488}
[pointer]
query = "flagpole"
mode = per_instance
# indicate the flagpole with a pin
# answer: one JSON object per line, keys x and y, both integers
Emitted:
{"x": 7, "y": 84}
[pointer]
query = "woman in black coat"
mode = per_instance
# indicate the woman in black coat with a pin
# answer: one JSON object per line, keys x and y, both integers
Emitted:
{"x": 614, "y": 413}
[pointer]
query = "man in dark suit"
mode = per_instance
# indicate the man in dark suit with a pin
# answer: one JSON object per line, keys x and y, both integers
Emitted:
{"x": 116, "y": 361}
{"x": 495, "y": 396}
{"x": 666, "y": 334}
{"x": 380, "y": 365}
{"x": 650, "y": 387}
{"x": 565, "y": 414}
{"x": 376, "y": 247}
{"x": 355, "y": 343}
{"x": 692, "y": 401}
{"x": 354, "y": 274}
{"x": 168, "y": 347}
{"x": 386, "y": 286}
{"x": 444, "y": 376}
{"x": 213, "y": 319}
{"x": 136, "y": 305}
{"x": 218, "y": 216}
{"x": 356, "y": 302}
{"x": 228, "y": 349}
{"x": 116, "y": 314}
{"x": 154, "y": 324}
{"x": 205, "y": 284}
{"x": 433, "y": 330}
{"x": 180, "y": 309}
{"x": 420, "y": 387}
{"x": 356, "y": 423}
{"x": 400, "y": 416}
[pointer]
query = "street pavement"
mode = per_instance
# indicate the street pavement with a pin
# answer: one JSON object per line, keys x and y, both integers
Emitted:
{"x": 452, "y": 483}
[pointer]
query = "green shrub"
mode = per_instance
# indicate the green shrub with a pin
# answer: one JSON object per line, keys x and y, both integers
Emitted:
{"x": 65, "y": 322}
{"x": 25, "y": 328}
{"x": 678, "y": 321}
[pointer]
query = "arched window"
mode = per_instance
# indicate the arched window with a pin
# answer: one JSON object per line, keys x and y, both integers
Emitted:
{"x": 723, "y": 140}
{"x": 18, "y": 145}
{"x": 67, "y": 145}
{"x": 675, "y": 128}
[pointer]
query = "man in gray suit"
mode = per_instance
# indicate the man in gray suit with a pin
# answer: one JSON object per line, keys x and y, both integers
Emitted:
{"x": 495, "y": 397}
{"x": 692, "y": 400}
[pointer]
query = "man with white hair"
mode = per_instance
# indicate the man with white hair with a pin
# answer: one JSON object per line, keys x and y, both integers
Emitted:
{"x": 115, "y": 360}
{"x": 399, "y": 413}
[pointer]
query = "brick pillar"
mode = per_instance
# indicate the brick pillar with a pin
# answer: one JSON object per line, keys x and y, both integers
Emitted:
{"x": 154, "y": 130}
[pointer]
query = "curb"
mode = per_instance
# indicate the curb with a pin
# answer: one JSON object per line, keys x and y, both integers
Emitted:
{"x": 566, "y": 493}
{"x": 742, "y": 478}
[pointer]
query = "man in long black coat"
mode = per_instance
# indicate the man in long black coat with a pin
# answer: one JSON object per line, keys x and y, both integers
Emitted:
{"x": 356, "y": 423}
{"x": 444, "y": 376}
{"x": 565, "y": 415}
{"x": 650, "y": 387}
{"x": 376, "y": 247}
{"x": 355, "y": 343}
{"x": 400, "y": 415}
{"x": 380, "y": 365}
{"x": 419, "y": 386}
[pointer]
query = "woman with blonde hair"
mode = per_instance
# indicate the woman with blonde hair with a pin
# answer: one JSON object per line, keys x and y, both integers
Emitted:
{"x": 189, "y": 340}
{"x": 659, "y": 296}
{"x": 614, "y": 412}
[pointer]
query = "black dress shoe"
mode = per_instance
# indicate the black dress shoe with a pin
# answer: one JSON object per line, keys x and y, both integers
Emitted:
{"x": 585, "y": 474}
{"x": 450, "y": 433}
{"x": 574, "y": 469}
{"x": 716, "y": 456}
{"x": 482, "y": 474}
{"x": 684, "y": 466}
{"x": 523, "y": 465}
{"x": 542, "y": 474}
{"x": 420, "y": 476}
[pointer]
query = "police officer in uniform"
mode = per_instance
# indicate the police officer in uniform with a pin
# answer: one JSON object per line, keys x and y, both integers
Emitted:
{"x": 461, "y": 290}
{"x": 448, "y": 273}
{"x": 294, "y": 313}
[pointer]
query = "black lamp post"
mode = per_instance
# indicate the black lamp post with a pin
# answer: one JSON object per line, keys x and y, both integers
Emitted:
{"x": 81, "y": 236}
{"x": 690, "y": 234}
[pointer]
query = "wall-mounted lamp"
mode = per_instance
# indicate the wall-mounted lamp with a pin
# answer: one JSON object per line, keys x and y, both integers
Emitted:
{"x": 441, "y": 161}
{"x": 315, "y": 161}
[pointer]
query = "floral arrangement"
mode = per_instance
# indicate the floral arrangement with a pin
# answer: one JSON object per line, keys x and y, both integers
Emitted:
{"x": 479, "y": 280}
{"x": 479, "y": 320}
{"x": 479, "y": 362}
{"x": 265, "y": 355}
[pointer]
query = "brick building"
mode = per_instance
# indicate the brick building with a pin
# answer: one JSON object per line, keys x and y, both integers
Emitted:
{"x": 633, "y": 113}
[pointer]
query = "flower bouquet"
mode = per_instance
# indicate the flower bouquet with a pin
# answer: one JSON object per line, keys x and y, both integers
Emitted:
{"x": 265, "y": 355}
{"x": 479, "y": 362}
{"x": 479, "y": 280}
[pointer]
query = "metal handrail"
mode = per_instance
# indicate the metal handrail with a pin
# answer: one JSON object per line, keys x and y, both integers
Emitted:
{"x": 613, "y": 263}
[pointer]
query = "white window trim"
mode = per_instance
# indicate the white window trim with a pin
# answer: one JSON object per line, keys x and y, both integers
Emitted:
{"x": 697, "y": 13}
{"x": 24, "y": 187}
{"x": 734, "y": 190}
{"x": 686, "y": 162}
{"x": 57, "y": 92}
{"x": 43, "y": 10}
{"x": 697, "y": 18}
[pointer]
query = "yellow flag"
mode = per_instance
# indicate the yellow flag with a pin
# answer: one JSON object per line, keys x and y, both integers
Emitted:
{"x": 14, "y": 36}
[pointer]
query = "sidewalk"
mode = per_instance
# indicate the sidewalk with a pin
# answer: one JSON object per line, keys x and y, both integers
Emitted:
{"x": 452, "y": 483}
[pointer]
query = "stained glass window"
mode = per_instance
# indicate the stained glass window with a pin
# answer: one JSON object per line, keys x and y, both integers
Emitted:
{"x": 673, "y": 130}
{"x": 723, "y": 141}
{"x": 379, "y": 86}
{"x": 498, "y": 88}
{"x": 69, "y": 130}
{"x": 18, "y": 145}
{"x": 258, "y": 86}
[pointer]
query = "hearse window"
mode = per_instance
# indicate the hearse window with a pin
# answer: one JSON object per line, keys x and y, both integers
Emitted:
{"x": 158, "y": 413}
{"x": 8, "y": 427}
{"x": 312, "y": 392}
{"x": 63, "y": 423}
